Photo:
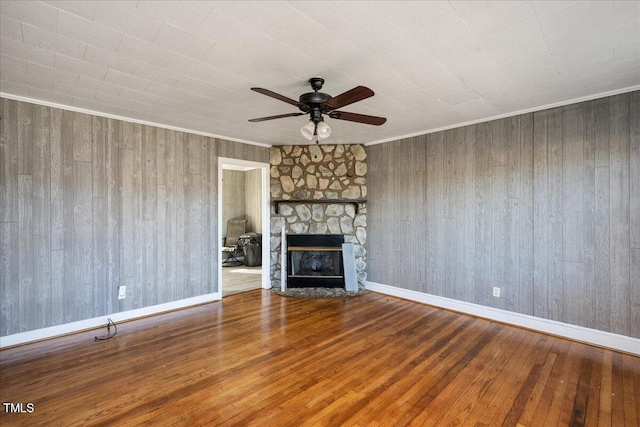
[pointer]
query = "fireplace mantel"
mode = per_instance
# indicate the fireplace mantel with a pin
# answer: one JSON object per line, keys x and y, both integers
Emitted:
{"x": 355, "y": 203}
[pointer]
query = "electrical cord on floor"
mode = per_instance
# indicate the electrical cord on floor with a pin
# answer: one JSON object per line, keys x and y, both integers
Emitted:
{"x": 109, "y": 336}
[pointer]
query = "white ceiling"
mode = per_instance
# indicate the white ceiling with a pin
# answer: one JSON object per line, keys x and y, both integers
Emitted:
{"x": 431, "y": 64}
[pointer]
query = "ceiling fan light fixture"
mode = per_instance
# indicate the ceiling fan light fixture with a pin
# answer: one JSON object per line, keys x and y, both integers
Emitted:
{"x": 323, "y": 131}
{"x": 308, "y": 130}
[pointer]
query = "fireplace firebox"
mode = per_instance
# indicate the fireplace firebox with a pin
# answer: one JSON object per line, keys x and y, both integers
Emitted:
{"x": 315, "y": 260}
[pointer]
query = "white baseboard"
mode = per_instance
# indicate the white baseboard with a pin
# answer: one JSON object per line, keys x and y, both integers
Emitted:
{"x": 552, "y": 327}
{"x": 573, "y": 332}
{"x": 97, "y": 322}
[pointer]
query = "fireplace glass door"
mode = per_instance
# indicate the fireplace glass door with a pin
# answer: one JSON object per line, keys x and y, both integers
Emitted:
{"x": 326, "y": 263}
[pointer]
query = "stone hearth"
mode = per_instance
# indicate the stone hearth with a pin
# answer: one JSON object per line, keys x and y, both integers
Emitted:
{"x": 302, "y": 174}
{"x": 317, "y": 292}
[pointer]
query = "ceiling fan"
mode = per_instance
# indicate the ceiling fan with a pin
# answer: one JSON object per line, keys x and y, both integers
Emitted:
{"x": 317, "y": 103}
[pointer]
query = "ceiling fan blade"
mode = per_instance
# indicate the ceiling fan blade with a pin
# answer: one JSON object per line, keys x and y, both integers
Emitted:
{"x": 280, "y": 116}
{"x": 359, "y": 118}
{"x": 356, "y": 94}
{"x": 277, "y": 96}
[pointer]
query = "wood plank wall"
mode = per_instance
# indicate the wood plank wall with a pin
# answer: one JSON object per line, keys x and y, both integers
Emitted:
{"x": 545, "y": 206}
{"x": 253, "y": 199}
{"x": 89, "y": 203}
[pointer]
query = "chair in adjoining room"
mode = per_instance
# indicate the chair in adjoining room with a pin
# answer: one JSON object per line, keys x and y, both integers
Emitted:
{"x": 231, "y": 243}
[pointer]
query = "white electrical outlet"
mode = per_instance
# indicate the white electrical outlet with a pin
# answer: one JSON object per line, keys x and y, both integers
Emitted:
{"x": 496, "y": 292}
{"x": 122, "y": 292}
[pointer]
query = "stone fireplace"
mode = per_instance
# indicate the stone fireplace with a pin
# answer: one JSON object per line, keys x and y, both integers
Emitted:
{"x": 319, "y": 190}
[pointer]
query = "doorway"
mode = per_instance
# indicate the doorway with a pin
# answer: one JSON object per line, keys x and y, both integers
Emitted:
{"x": 244, "y": 195}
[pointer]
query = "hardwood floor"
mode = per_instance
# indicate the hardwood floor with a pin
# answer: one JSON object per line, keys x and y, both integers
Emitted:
{"x": 259, "y": 359}
{"x": 240, "y": 279}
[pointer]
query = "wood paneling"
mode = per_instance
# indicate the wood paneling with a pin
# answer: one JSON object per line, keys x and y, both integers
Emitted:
{"x": 83, "y": 136}
{"x": 542, "y": 205}
{"x": 634, "y": 178}
{"x": 9, "y": 161}
{"x": 41, "y": 181}
{"x": 619, "y": 208}
{"x": 554, "y": 238}
{"x": 525, "y": 210}
{"x": 99, "y": 155}
{"x": 25, "y": 137}
{"x": 82, "y": 240}
{"x": 253, "y": 199}
{"x": 212, "y": 221}
{"x": 26, "y": 294}
{"x": 9, "y": 277}
{"x": 379, "y": 249}
{"x": 483, "y": 200}
{"x": 541, "y": 214}
{"x": 67, "y": 165}
{"x": 238, "y": 150}
{"x": 88, "y": 204}
{"x": 257, "y": 359}
{"x": 57, "y": 180}
{"x": 113, "y": 219}
{"x": 435, "y": 231}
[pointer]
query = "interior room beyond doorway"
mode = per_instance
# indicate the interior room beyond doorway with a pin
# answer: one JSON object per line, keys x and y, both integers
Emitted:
{"x": 242, "y": 200}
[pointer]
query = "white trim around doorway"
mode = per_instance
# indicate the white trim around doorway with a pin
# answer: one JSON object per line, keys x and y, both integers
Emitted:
{"x": 238, "y": 164}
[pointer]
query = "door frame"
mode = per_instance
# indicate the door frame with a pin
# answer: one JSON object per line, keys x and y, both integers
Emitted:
{"x": 230, "y": 163}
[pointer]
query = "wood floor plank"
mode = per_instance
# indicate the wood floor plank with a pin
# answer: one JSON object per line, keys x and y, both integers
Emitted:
{"x": 255, "y": 358}
{"x": 504, "y": 401}
{"x": 388, "y": 386}
{"x": 604, "y": 413}
{"x": 562, "y": 391}
{"x": 572, "y": 404}
{"x": 487, "y": 369}
{"x": 525, "y": 392}
{"x": 594, "y": 388}
{"x": 520, "y": 344}
{"x": 631, "y": 397}
{"x": 536, "y": 392}
{"x": 635, "y": 366}
{"x": 579, "y": 416}
{"x": 617, "y": 389}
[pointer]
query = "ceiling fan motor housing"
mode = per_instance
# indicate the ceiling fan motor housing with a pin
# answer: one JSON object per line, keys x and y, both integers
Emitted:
{"x": 314, "y": 98}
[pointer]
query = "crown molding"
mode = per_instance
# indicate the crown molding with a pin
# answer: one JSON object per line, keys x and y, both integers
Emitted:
{"x": 128, "y": 119}
{"x": 380, "y": 141}
{"x": 515, "y": 113}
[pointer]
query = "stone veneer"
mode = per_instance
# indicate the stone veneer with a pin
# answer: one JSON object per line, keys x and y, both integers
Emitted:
{"x": 319, "y": 172}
